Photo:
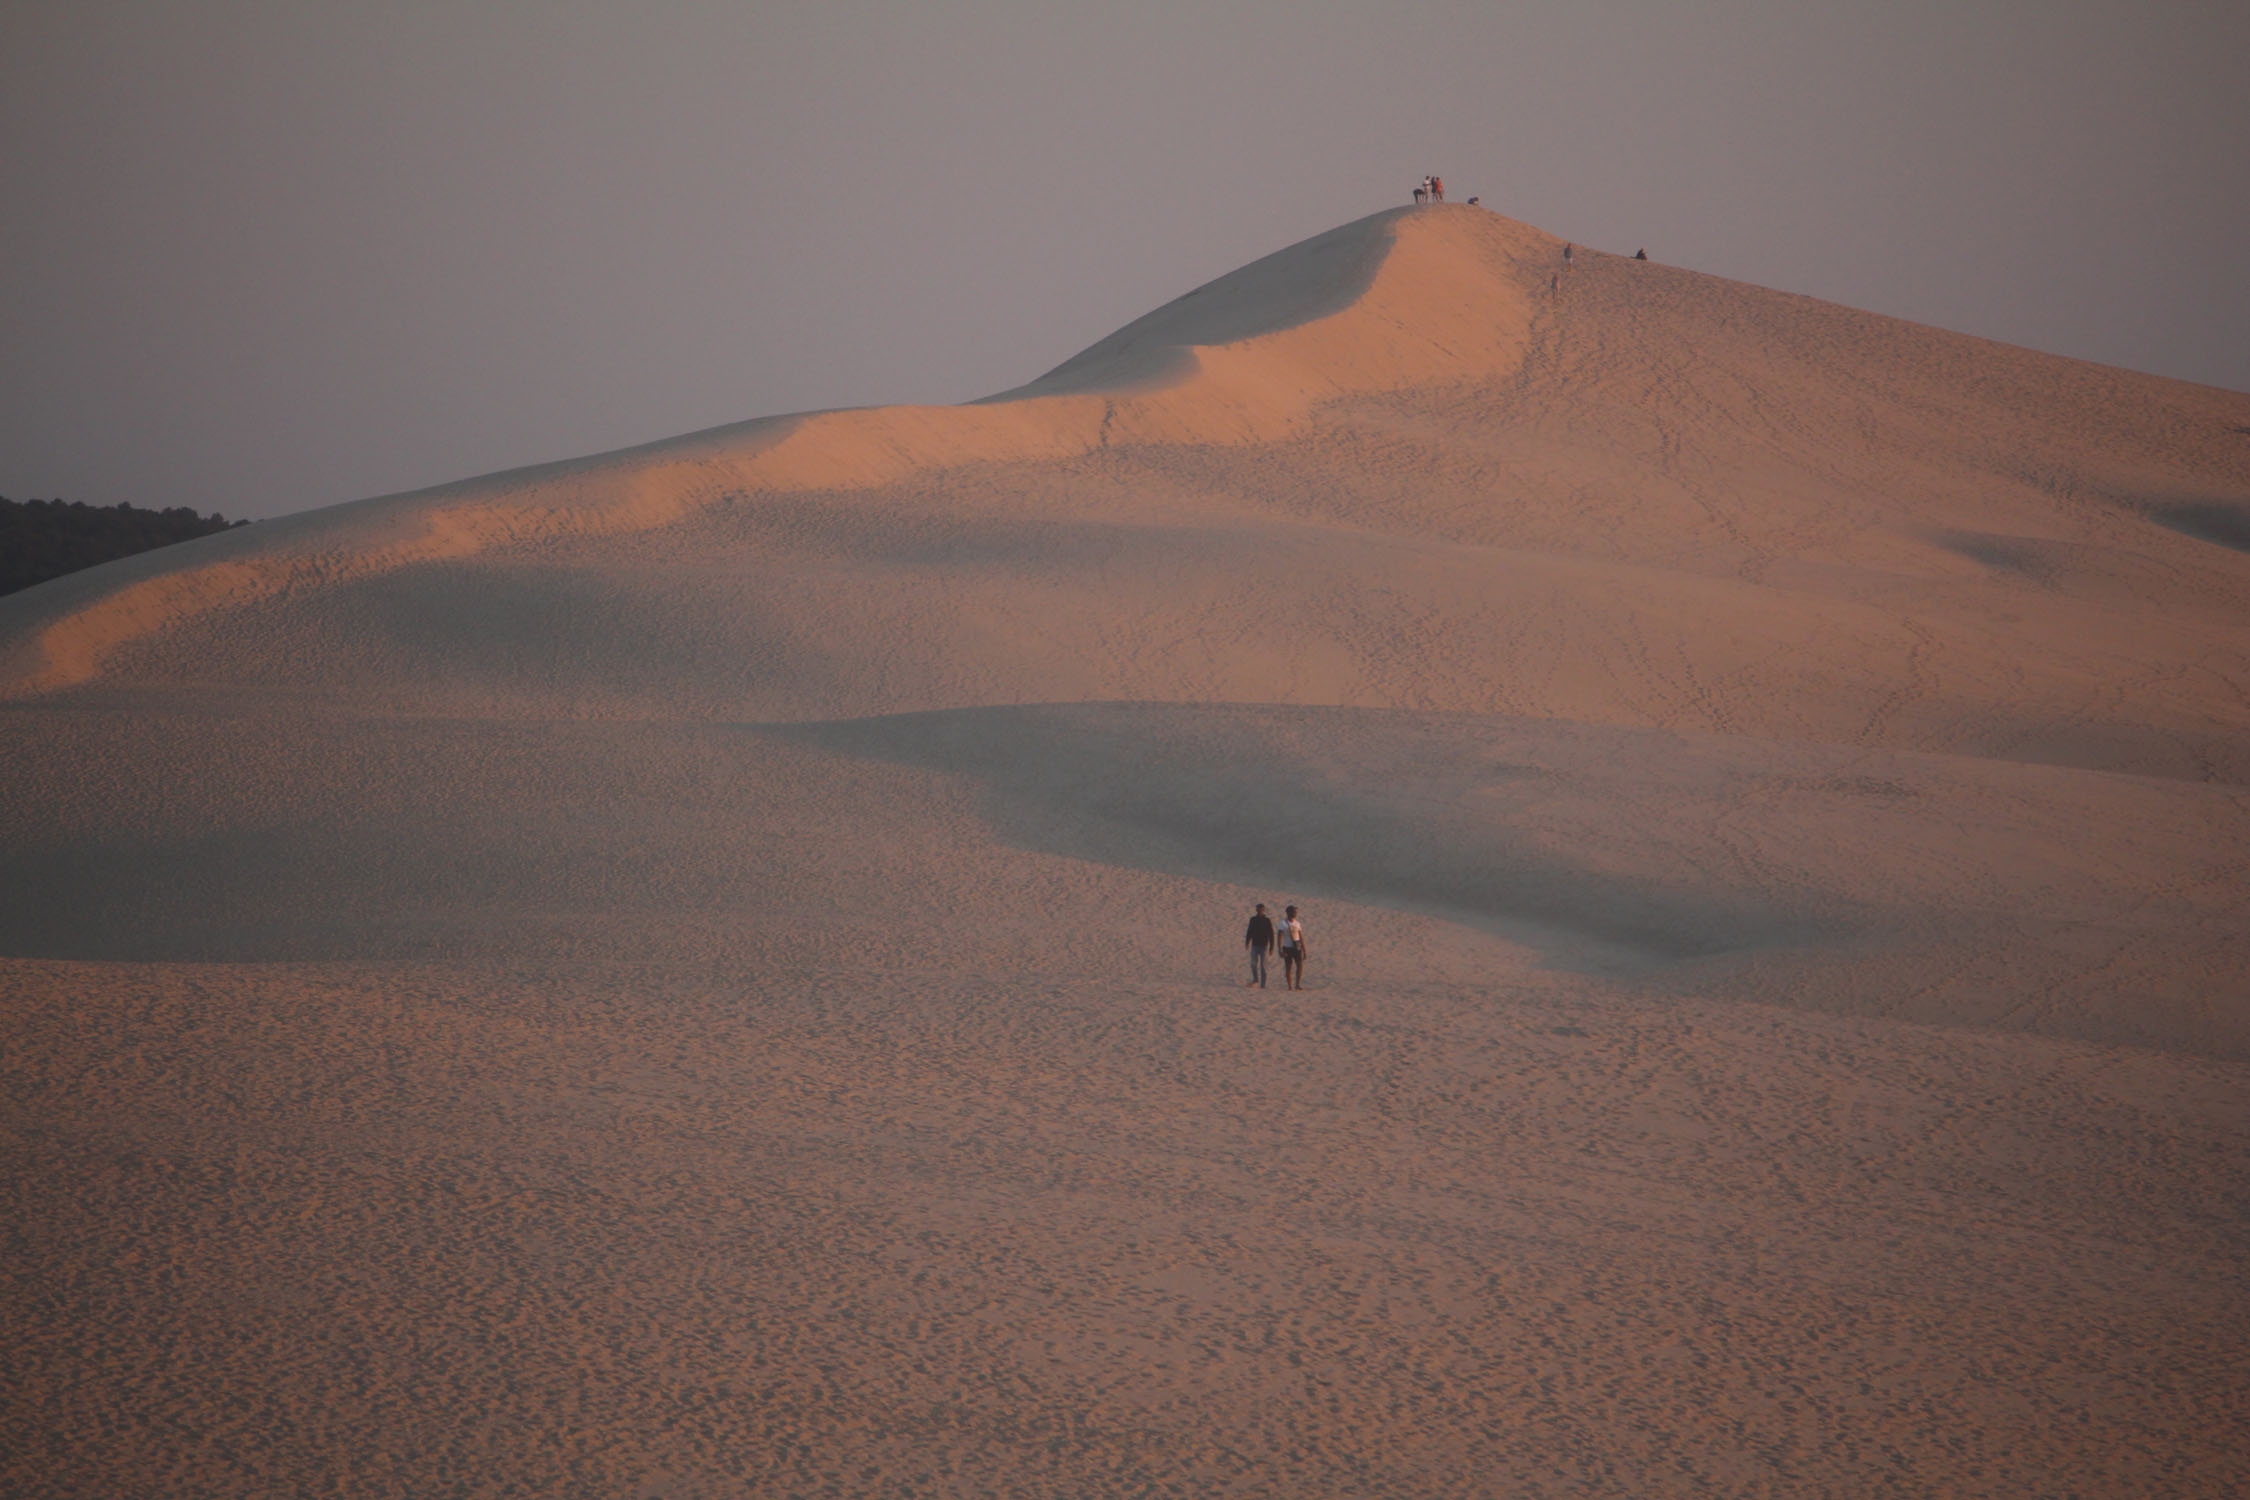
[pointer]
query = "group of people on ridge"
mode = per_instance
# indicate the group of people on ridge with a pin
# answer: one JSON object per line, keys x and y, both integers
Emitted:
{"x": 1431, "y": 189}
{"x": 1262, "y": 937}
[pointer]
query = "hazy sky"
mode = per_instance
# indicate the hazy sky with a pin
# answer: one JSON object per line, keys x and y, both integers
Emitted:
{"x": 260, "y": 255}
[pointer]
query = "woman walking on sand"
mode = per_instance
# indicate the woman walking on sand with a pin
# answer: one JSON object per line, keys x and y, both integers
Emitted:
{"x": 1292, "y": 949}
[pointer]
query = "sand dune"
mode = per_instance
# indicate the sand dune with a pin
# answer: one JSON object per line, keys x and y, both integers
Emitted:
{"x": 711, "y": 969}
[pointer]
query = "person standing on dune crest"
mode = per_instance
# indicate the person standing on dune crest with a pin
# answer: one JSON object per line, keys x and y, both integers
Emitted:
{"x": 1259, "y": 940}
{"x": 1292, "y": 949}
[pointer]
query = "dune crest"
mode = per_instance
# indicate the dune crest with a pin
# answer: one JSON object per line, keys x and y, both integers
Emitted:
{"x": 1384, "y": 302}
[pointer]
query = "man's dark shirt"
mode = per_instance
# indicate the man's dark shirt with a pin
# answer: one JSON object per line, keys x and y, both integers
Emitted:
{"x": 1260, "y": 934}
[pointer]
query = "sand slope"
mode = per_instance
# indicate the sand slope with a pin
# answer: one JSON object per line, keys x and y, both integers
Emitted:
{"x": 710, "y": 969}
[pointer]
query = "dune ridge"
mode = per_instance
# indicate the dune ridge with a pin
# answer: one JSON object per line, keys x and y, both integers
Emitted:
{"x": 1684, "y": 468}
{"x": 1162, "y": 379}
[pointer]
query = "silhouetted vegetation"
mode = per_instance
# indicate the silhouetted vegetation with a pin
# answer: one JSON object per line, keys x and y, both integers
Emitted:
{"x": 43, "y": 539}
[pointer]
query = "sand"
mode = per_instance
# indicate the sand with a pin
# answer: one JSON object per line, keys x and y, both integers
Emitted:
{"x": 714, "y": 969}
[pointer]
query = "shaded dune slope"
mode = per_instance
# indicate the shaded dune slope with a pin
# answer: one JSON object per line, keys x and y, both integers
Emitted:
{"x": 1772, "y": 562}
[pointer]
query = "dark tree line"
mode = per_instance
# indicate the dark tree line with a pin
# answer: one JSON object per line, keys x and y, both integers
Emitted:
{"x": 43, "y": 539}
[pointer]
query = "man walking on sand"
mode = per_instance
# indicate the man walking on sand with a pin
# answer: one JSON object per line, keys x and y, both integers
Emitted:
{"x": 1292, "y": 949}
{"x": 1259, "y": 940}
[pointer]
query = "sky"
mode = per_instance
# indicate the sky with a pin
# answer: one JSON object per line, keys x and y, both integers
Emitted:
{"x": 259, "y": 256}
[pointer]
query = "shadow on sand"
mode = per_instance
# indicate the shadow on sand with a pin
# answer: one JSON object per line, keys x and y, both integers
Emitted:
{"x": 1365, "y": 805}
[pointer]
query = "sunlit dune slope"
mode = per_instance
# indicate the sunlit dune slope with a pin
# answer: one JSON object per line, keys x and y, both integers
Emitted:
{"x": 1384, "y": 467}
{"x": 1242, "y": 361}
{"x": 1921, "y": 619}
